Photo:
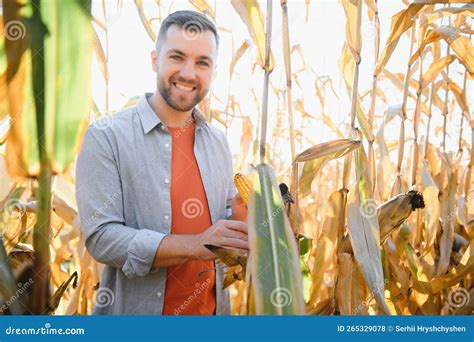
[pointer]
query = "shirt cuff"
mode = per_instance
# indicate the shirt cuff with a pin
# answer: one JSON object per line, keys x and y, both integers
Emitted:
{"x": 141, "y": 253}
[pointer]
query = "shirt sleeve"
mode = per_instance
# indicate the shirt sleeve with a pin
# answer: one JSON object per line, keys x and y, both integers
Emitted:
{"x": 100, "y": 205}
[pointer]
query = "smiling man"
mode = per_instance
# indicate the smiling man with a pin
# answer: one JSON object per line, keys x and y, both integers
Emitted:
{"x": 154, "y": 183}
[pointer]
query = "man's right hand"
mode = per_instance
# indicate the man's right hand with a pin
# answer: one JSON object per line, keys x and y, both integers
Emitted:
{"x": 224, "y": 233}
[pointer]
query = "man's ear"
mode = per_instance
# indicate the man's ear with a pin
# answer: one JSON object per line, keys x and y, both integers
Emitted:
{"x": 154, "y": 60}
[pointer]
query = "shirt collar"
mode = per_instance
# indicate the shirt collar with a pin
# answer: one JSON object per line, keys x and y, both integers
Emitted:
{"x": 150, "y": 120}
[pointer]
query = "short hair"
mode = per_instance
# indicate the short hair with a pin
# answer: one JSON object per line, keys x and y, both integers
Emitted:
{"x": 193, "y": 21}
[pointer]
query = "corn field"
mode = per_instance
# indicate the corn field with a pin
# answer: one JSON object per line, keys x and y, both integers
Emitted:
{"x": 367, "y": 212}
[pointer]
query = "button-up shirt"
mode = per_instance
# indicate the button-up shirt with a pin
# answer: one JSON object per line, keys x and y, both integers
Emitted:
{"x": 123, "y": 177}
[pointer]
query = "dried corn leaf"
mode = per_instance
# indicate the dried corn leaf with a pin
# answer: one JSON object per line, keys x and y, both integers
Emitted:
{"x": 353, "y": 11}
{"x": 237, "y": 55}
{"x": 432, "y": 210}
{"x": 204, "y": 7}
{"x": 317, "y": 156}
{"x": 364, "y": 231}
{"x": 461, "y": 45}
{"x": 145, "y": 21}
{"x": 250, "y": 13}
{"x": 401, "y": 22}
{"x": 100, "y": 54}
{"x": 427, "y": 18}
{"x": 435, "y": 68}
{"x": 322, "y": 261}
{"x": 447, "y": 218}
{"x": 344, "y": 283}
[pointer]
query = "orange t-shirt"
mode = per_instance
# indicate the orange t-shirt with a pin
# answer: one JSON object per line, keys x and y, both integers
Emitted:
{"x": 189, "y": 291}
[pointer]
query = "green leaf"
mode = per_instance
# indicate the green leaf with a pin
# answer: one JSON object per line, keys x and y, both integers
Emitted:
{"x": 48, "y": 78}
{"x": 3, "y": 74}
{"x": 273, "y": 261}
{"x": 305, "y": 244}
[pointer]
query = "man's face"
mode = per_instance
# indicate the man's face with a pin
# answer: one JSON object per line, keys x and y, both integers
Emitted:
{"x": 184, "y": 67}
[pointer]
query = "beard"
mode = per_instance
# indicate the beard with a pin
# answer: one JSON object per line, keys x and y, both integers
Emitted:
{"x": 178, "y": 102}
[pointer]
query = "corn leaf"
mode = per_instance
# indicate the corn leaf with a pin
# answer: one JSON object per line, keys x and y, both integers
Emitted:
{"x": 344, "y": 283}
{"x": 401, "y": 22}
{"x": 203, "y": 6}
{"x": 353, "y": 11}
{"x": 461, "y": 45}
{"x": 364, "y": 230}
{"x": 305, "y": 245}
{"x": 274, "y": 261}
{"x": 145, "y": 22}
{"x": 237, "y": 55}
{"x": 44, "y": 100}
{"x": 3, "y": 74}
{"x": 100, "y": 54}
{"x": 435, "y": 68}
{"x": 427, "y": 18}
{"x": 251, "y": 14}
{"x": 447, "y": 207}
{"x": 317, "y": 156}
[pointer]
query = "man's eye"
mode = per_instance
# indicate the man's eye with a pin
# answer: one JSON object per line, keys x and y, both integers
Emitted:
{"x": 175, "y": 57}
{"x": 204, "y": 64}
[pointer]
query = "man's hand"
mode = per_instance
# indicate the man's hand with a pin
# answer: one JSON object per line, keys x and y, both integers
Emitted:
{"x": 225, "y": 233}
{"x": 178, "y": 248}
{"x": 239, "y": 209}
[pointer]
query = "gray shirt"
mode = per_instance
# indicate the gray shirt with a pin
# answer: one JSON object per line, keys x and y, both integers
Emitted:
{"x": 123, "y": 194}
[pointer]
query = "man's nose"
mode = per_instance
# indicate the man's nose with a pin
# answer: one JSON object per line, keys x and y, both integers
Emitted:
{"x": 188, "y": 72}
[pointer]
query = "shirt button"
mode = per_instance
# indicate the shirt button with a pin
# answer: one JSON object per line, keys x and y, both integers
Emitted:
{"x": 166, "y": 217}
{"x": 167, "y": 145}
{"x": 167, "y": 181}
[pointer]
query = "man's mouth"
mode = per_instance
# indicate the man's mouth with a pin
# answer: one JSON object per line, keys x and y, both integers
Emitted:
{"x": 184, "y": 87}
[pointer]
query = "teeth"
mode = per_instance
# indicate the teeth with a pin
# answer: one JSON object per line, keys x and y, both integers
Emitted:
{"x": 183, "y": 87}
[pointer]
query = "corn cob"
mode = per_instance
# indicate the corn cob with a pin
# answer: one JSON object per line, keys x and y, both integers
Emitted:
{"x": 243, "y": 186}
{"x": 394, "y": 212}
{"x": 391, "y": 215}
{"x": 236, "y": 263}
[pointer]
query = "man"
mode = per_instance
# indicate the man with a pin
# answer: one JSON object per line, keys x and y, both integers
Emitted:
{"x": 154, "y": 183}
